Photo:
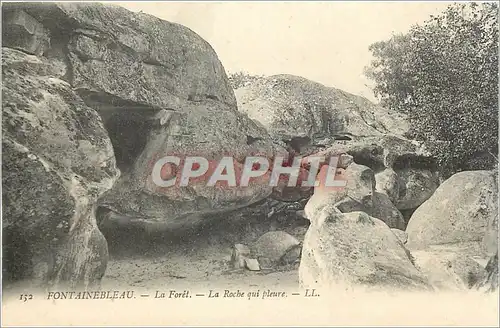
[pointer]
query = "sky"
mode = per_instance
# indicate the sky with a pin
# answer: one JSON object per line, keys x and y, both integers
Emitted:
{"x": 326, "y": 42}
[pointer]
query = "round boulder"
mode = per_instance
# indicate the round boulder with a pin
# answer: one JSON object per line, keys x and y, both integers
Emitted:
{"x": 274, "y": 245}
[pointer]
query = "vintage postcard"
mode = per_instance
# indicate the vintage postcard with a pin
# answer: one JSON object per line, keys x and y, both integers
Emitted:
{"x": 266, "y": 163}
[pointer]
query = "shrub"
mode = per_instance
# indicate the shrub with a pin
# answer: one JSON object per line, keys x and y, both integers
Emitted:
{"x": 241, "y": 79}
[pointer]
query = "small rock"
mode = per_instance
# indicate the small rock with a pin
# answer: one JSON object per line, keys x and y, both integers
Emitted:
{"x": 252, "y": 264}
{"x": 242, "y": 249}
{"x": 240, "y": 252}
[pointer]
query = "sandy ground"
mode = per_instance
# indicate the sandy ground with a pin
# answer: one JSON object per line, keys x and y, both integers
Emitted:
{"x": 196, "y": 259}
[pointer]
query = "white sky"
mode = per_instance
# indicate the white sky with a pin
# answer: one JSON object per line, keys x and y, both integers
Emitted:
{"x": 323, "y": 41}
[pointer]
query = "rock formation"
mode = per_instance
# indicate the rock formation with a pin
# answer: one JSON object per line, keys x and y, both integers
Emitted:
{"x": 57, "y": 161}
{"x": 463, "y": 210}
{"x": 76, "y": 73}
{"x": 94, "y": 95}
{"x": 306, "y": 117}
{"x": 345, "y": 250}
{"x": 358, "y": 195}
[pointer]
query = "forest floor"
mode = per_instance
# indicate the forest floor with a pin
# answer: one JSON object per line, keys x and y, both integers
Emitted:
{"x": 197, "y": 260}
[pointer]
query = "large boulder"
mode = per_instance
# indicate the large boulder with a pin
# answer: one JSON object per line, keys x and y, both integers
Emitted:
{"x": 454, "y": 232}
{"x": 57, "y": 160}
{"x": 306, "y": 117}
{"x": 407, "y": 188}
{"x": 385, "y": 210}
{"x": 305, "y": 113}
{"x": 415, "y": 186}
{"x": 207, "y": 131}
{"x": 358, "y": 194}
{"x": 464, "y": 209}
{"x": 160, "y": 90}
{"x": 133, "y": 58}
{"x": 355, "y": 250}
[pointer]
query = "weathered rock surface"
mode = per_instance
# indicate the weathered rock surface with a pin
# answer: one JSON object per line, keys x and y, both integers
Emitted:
{"x": 415, "y": 187}
{"x": 208, "y": 130}
{"x": 401, "y": 234}
{"x": 354, "y": 249}
{"x": 306, "y": 113}
{"x": 387, "y": 182}
{"x": 132, "y": 58}
{"x": 160, "y": 89}
{"x": 21, "y": 31}
{"x": 449, "y": 269}
{"x": 310, "y": 118}
{"x": 358, "y": 195}
{"x": 57, "y": 161}
{"x": 464, "y": 209}
{"x": 490, "y": 282}
{"x": 274, "y": 245}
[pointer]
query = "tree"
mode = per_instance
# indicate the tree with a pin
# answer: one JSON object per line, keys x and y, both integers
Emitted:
{"x": 444, "y": 75}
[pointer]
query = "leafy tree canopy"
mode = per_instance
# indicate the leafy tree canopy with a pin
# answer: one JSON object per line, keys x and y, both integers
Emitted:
{"x": 444, "y": 75}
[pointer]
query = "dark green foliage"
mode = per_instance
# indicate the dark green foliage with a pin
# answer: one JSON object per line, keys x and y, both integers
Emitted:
{"x": 444, "y": 75}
